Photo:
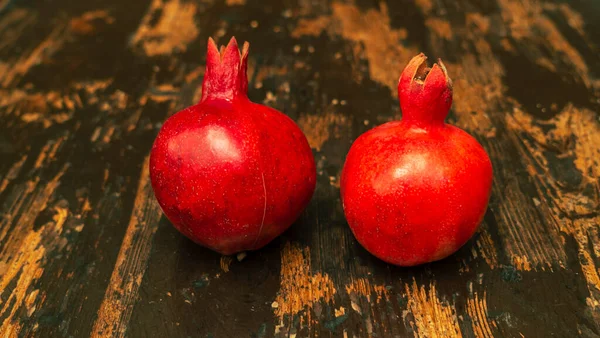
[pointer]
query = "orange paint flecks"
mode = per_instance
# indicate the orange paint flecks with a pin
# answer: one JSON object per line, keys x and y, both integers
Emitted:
{"x": 527, "y": 22}
{"x": 300, "y": 288}
{"x": 440, "y": 27}
{"x": 53, "y": 41}
{"x": 477, "y": 310}
{"x": 486, "y": 248}
{"x": 85, "y": 24}
{"x": 384, "y": 47}
{"x": 12, "y": 173}
{"x": 433, "y": 318}
{"x": 119, "y": 298}
{"x": 225, "y": 262}
{"x": 235, "y": 2}
{"x": 24, "y": 256}
{"x": 319, "y": 128}
{"x": 363, "y": 287}
{"x": 175, "y": 28}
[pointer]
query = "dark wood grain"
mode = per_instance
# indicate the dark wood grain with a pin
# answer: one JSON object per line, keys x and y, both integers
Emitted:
{"x": 86, "y": 85}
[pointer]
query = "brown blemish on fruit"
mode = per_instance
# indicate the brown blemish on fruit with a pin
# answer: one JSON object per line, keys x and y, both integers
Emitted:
{"x": 300, "y": 288}
{"x": 478, "y": 312}
{"x": 319, "y": 128}
{"x": 433, "y": 318}
{"x": 122, "y": 292}
{"x": 174, "y": 30}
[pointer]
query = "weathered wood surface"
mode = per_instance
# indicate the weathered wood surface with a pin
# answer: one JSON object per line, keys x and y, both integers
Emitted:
{"x": 85, "y": 250}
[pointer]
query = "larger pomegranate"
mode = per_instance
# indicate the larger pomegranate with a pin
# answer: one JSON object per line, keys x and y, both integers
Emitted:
{"x": 415, "y": 190}
{"x": 228, "y": 173}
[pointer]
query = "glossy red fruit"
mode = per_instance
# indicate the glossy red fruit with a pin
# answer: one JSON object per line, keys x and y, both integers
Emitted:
{"x": 414, "y": 191}
{"x": 228, "y": 173}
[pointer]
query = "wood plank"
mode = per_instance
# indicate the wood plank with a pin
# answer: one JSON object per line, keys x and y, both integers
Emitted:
{"x": 85, "y": 86}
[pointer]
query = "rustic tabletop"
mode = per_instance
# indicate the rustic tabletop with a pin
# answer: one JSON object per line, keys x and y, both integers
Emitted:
{"x": 86, "y": 251}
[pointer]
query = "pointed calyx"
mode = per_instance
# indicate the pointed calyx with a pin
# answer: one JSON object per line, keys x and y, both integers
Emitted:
{"x": 225, "y": 76}
{"x": 425, "y": 93}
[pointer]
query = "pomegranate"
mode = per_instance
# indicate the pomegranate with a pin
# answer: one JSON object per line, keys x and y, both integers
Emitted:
{"x": 415, "y": 190}
{"x": 228, "y": 173}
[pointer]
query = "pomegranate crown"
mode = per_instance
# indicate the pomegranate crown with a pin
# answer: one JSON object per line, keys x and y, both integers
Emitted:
{"x": 425, "y": 93}
{"x": 225, "y": 76}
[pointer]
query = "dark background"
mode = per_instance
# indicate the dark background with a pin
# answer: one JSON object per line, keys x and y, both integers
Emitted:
{"x": 86, "y": 85}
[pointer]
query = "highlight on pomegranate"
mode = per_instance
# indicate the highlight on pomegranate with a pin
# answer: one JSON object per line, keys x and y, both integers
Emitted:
{"x": 228, "y": 173}
{"x": 415, "y": 190}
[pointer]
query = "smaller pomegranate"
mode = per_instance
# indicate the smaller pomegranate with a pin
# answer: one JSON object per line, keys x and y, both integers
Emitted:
{"x": 414, "y": 191}
{"x": 228, "y": 173}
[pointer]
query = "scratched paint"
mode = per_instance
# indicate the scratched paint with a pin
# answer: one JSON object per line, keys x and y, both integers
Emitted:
{"x": 486, "y": 247}
{"x": 570, "y": 208}
{"x": 225, "y": 263}
{"x": 320, "y": 128}
{"x": 24, "y": 251}
{"x": 175, "y": 28}
{"x": 477, "y": 310}
{"x": 429, "y": 315}
{"x": 300, "y": 287}
{"x": 53, "y": 41}
{"x": 12, "y": 173}
{"x": 566, "y": 204}
{"x": 363, "y": 287}
{"x": 384, "y": 46}
{"x": 526, "y": 20}
{"x": 122, "y": 291}
{"x": 85, "y": 24}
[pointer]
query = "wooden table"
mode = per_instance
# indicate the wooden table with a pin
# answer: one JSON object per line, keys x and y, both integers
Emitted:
{"x": 86, "y": 85}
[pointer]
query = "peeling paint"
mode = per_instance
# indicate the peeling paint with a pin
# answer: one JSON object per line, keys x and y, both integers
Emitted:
{"x": 173, "y": 31}
{"x": 384, "y": 47}
{"x": 432, "y": 317}
{"x": 122, "y": 292}
{"x": 320, "y": 128}
{"x": 477, "y": 310}
{"x": 300, "y": 288}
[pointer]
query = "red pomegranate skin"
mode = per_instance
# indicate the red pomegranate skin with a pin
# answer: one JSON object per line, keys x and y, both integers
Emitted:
{"x": 228, "y": 173}
{"x": 414, "y": 191}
